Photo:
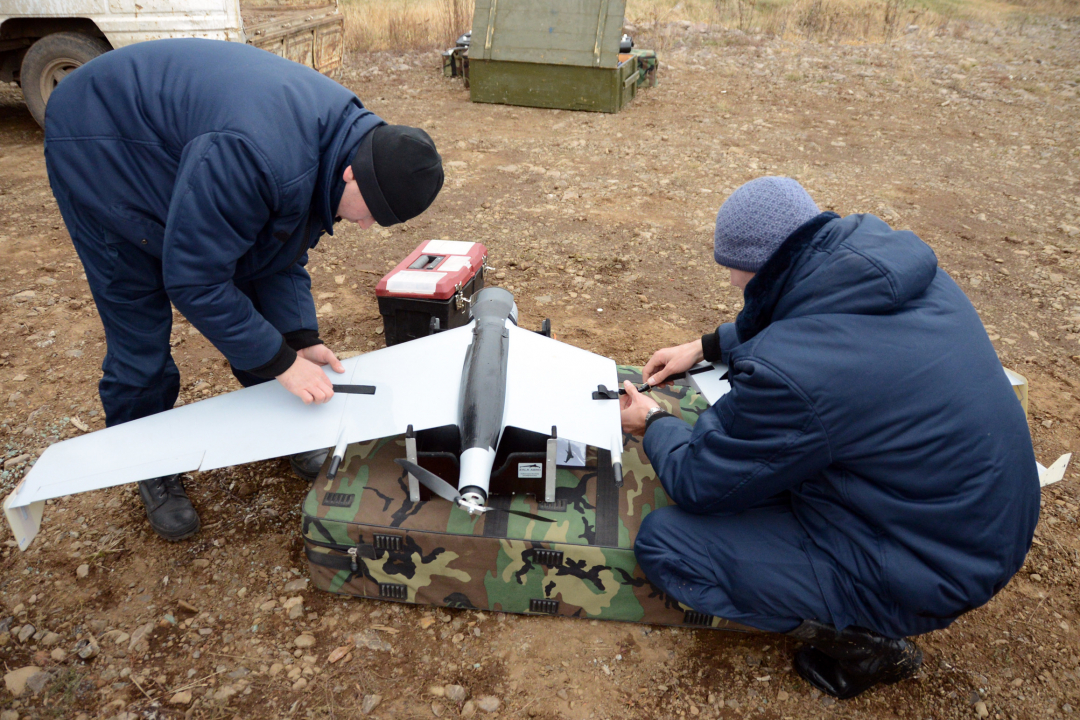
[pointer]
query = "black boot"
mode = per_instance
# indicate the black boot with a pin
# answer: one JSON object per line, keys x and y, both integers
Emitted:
{"x": 168, "y": 508}
{"x": 845, "y": 663}
{"x": 308, "y": 464}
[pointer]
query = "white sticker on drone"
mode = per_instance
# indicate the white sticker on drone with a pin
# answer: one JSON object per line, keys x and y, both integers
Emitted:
{"x": 530, "y": 470}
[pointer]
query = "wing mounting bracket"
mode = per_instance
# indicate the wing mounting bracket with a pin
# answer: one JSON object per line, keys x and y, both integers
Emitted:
{"x": 410, "y": 455}
{"x": 602, "y": 393}
{"x": 551, "y": 466}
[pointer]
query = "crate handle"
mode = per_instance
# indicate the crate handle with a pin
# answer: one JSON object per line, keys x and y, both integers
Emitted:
{"x": 632, "y": 78}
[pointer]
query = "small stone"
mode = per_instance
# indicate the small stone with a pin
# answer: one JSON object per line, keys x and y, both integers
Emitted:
{"x": 17, "y": 460}
{"x": 437, "y": 709}
{"x": 82, "y": 571}
{"x": 224, "y": 693}
{"x": 37, "y": 682}
{"x": 1036, "y": 577}
{"x": 58, "y": 655}
{"x": 468, "y": 709}
{"x": 304, "y": 641}
{"x": 782, "y": 696}
{"x": 369, "y": 703}
{"x": 26, "y": 632}
{"x": 50, "y": 639}
{"x": 295, "y": 607}
{"x": 488, "y": 703}
{"x": 184, "y": 605}
{"x": 121, "y": 638}
{"x": 437, "y": 691}
{"x": 181, "y": 698}
{"x": 276, "y": 669}
{"x": 980, "y": 709}
{"x": 455, "y": 693}
{"x": 140, "y": 634}
{"x": 201, "y": 563}
{"x": 15, "y": 681}
{"x": 268, "y": 605}
{"x": 426, "y": 622}
{"x": 296, "y": 585}
{"x": 338, "y": 653}
{"x": 9, "y": 715}
{"x": 86, "y": 649}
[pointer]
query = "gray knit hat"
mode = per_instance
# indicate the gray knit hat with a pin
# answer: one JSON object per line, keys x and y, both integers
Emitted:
{"x": 757, "y": 219}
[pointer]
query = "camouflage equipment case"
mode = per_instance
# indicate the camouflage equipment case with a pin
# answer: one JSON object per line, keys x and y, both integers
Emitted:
{"x": 364, "y": 537}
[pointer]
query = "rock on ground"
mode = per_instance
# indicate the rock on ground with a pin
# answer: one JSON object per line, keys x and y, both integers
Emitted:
{"x": 369, "y": 704}
{"x": 15, "y": 681}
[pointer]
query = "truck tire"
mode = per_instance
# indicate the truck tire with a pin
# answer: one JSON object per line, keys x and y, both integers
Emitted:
{"x": 49, "y": 60}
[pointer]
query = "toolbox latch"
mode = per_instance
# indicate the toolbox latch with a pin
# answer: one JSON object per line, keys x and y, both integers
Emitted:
{"x": 393, "y": 591}
{"x": 542, "y": 605}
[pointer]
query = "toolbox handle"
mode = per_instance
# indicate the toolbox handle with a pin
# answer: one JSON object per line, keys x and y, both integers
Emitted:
{"x": 633, "y": 78}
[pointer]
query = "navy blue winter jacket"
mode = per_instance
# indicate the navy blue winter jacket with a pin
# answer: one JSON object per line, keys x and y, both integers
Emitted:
{"x": 863, "y": 382}
{"x": 221, "y": 159}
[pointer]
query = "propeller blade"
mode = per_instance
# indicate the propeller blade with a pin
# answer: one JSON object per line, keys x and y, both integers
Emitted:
{"x": 445, "y": 490}
{"x": 430, "y": 480}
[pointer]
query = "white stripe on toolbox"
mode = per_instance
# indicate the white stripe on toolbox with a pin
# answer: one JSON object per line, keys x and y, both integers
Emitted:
{"x": 448, "y": 247}
{"x": 455, "y": 263}
{"x": 416, "y": 282}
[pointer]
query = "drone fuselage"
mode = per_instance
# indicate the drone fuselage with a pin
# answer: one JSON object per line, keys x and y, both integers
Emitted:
{"x": 483, "y": 392}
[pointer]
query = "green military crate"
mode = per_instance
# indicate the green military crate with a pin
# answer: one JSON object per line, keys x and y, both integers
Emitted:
{"x": 364, "y": 537}
{"x": 556, "y": 54}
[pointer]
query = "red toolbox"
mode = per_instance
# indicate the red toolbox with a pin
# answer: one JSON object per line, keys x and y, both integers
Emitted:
{"x": 428, "y": 291}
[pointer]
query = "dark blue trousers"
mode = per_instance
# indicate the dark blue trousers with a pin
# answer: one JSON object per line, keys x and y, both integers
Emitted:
{"x": 139, "y": 376}
{"x": 748, "y": 567}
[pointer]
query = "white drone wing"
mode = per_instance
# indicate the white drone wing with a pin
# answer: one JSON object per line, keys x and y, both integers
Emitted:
{"x": 415, "y": 383}
{"x": 550, "y": 383}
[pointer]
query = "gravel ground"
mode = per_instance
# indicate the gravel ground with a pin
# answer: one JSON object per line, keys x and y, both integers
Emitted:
{"x": 603, "y": 224}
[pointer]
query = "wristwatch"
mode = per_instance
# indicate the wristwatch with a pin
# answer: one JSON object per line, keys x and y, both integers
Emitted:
{"x": 653, "y": 411}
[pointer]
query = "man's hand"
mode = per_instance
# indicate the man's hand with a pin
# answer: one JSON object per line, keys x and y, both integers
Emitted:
{"x": 633, "y": 407}
{"x": 322, "y": 355}
{"x": 305, "y": 378}
{"x": 672, "y": 360}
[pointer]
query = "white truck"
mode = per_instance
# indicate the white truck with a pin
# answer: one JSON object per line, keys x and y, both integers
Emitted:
{"x": 41, "y": 41}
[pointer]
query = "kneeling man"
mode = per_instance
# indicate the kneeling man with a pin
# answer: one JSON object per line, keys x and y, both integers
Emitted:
{"x": 870, "y": 475}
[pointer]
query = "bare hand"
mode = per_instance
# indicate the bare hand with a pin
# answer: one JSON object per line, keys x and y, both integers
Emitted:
{"x": 306, "y": 380}
{"x": 671, "y": 361}
{"x": 322, "y": 355}
{"x": 633, "y": 407}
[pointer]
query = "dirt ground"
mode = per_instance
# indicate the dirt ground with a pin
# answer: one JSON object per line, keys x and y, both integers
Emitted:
{"x": 602, "y": 223}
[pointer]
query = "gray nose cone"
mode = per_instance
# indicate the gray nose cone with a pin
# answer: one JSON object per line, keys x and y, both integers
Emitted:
{"x": 493, "y": 302}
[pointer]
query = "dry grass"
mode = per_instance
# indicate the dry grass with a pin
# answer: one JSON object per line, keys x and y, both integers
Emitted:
{"x": 413, "y": 24}
{"x": 404, "y": 24}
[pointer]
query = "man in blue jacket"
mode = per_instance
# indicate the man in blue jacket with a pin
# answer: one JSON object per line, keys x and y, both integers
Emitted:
{"x": 870, "y": 475}
{"x": 198, "y": 174}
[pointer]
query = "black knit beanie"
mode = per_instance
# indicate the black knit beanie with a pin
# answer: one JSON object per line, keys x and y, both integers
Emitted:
{"x": 399, "y": 172}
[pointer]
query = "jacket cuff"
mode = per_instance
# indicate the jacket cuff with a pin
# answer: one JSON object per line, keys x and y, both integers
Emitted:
{"x": 300, "y": 339}
{"x": 653, "y": 418}
{"x": 282, "y": 361}
{"x": 710, "y": 346}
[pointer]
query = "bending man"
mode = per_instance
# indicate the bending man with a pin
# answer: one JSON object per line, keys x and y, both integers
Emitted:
{"x": 199, "y": 173}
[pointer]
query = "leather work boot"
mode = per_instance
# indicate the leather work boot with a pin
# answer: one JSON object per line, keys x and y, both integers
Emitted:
{"x": 845, "y": 663}
{"x": 307, "y": 464}
{"x": 168, "y": 508}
